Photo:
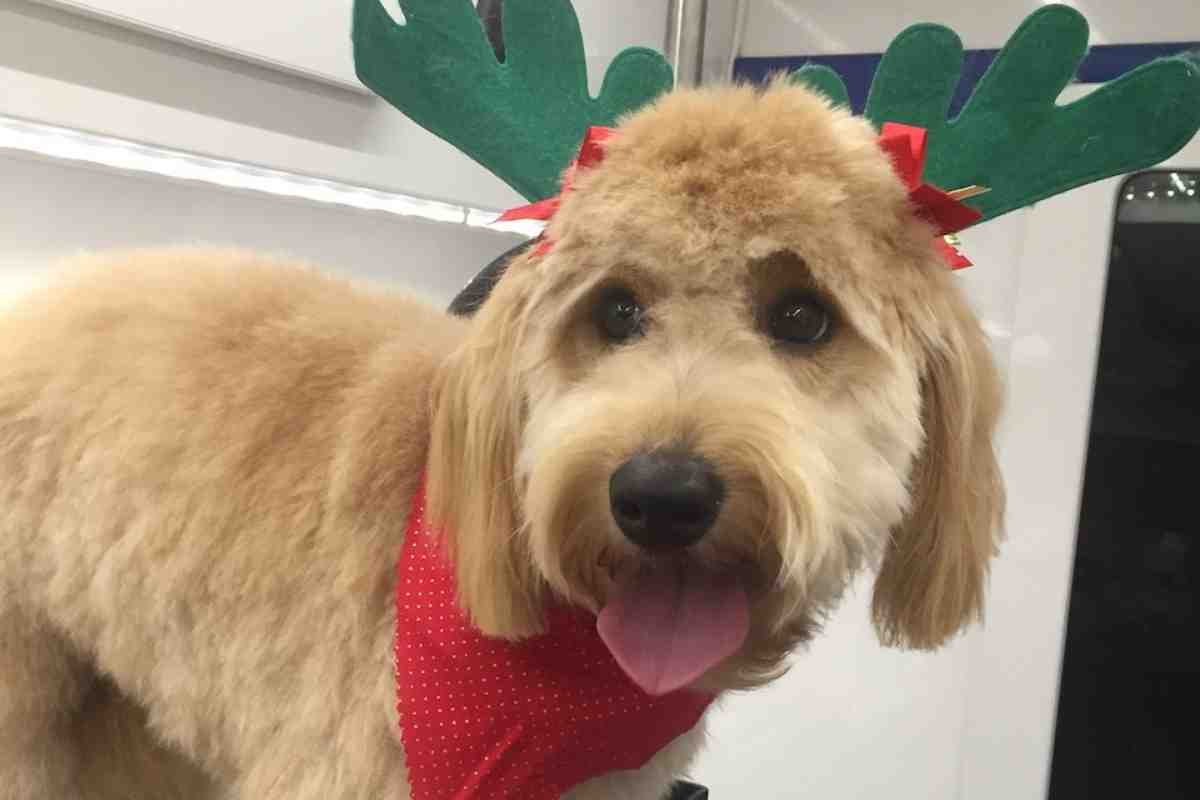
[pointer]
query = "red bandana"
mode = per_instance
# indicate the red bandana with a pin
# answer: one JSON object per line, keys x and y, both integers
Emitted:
{"x": 486, "y": 719}
{"x": 905, "y": 144}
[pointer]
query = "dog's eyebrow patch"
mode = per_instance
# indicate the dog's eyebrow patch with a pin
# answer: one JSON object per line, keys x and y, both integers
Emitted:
{"x": 641, "y": 281}
{"x": 571, "y": 303}
{"x": 780, "y": 269}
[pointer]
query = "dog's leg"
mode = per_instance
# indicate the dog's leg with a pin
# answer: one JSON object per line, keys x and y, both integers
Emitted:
{"x": 67, "y": 735}
{"x": 42, "y": 685}
{"x": 122, "y": 759}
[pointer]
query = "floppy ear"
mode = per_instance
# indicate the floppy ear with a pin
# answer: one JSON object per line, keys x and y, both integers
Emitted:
{"x": 933, "y": 577}
{"x": 478, "y": 412}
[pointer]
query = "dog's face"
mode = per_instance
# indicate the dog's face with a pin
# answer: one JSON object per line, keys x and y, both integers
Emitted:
{"x": 741, "y": 372}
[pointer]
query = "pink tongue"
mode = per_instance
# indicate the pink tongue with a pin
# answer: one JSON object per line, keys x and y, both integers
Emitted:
{"x": 668, "y": 625}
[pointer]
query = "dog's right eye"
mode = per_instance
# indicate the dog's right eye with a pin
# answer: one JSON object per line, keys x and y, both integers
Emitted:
{"x": 799, "y": 319}
{"x": 619, "y": 316}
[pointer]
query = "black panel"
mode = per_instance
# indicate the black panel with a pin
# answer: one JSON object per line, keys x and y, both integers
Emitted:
{"x": 1131, "y": 667}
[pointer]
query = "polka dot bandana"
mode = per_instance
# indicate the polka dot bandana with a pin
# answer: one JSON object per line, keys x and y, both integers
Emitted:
{"x": 487, "y": 719}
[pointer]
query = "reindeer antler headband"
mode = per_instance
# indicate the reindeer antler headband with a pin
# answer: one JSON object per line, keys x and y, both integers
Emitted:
{"x": 524, "y": 118}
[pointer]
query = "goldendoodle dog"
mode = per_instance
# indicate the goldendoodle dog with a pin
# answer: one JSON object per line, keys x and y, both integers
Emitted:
{"x": 741, "y": 373}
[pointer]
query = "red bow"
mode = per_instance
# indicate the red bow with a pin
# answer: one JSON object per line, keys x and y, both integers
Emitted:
{"x": 906, "y": 144}
{"x": 590, "y": 154}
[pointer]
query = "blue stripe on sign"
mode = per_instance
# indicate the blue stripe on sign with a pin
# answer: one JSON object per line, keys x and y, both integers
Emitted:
{"x": 1102, "y": 63}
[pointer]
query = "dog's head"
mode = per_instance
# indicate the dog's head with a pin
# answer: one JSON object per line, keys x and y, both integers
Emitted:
{"x": 741, "y": 372}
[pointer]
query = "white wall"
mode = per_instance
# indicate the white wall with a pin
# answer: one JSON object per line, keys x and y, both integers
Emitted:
{"x": 78, "y": 72}
{"x": 49, "y": 210}
{"x": 1015, "y": 661}
{"x": 267, "y": 32}
{"x": 802, "y": 27}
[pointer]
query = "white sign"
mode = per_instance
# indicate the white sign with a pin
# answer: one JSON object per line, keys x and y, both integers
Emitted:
{"x": 309, "y": 38}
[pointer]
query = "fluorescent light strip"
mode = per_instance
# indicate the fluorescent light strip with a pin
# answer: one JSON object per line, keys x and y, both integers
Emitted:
{"x": 71, "y": 145}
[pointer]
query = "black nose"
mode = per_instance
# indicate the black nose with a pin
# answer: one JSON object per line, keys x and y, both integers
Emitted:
{"x": 665, "y": 500}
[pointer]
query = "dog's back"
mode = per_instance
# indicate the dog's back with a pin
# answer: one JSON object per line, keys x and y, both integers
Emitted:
{"x": 184, "y": 438}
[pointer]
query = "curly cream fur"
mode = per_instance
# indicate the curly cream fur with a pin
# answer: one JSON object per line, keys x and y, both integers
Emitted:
{"x": 207, "y": 457}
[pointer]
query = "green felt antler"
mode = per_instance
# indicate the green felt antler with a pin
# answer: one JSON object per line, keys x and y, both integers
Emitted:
{"x": 522, "y": 119}
{"x": 1011, "y": 136}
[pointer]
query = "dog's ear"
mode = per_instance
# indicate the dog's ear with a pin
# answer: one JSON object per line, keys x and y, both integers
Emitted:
{"x": 934, "y": 572}
{"x": 478, "y": 412}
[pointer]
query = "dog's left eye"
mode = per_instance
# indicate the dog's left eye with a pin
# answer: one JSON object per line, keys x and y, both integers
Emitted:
{"x": 619, "y": 315}
{"x": 799, "y": 319}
